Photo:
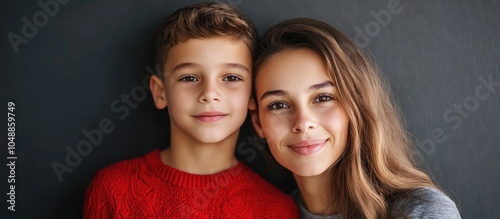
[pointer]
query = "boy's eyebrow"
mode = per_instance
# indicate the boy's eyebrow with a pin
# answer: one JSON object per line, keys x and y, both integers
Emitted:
{"x": 237, "y": 66}
{"x": 185, "y": 65}
{"x": 283, "y": 93}
{"x": 195, "y": 65}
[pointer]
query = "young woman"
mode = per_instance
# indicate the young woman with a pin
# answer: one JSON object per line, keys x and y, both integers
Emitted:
{"x": 329, "y": 119}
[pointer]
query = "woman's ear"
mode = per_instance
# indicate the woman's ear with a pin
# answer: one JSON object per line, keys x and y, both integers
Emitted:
{"x": 158, "y": 92}
{"x": 254, "y": 114}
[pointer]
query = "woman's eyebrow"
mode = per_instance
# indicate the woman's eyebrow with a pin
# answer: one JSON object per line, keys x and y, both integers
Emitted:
{"x": 284, "y": 93}
{"x": 274, "y": 93}
{"x": 321, "y": 85}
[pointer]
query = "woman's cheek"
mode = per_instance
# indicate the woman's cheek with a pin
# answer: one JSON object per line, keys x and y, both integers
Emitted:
{"x": 276, "y": 124}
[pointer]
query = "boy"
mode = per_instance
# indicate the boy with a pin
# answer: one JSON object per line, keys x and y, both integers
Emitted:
{"x": 205, "y": 56}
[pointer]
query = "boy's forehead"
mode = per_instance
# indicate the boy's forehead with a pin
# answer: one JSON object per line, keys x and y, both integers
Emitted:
{"x": 209, "y": 52}
{"x": 210, "y": 42}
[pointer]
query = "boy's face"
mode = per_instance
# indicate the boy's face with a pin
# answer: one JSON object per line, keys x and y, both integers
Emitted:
{"x": 206, "y": 86}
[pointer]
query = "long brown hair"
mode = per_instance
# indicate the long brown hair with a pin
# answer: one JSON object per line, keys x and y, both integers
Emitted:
{"x": 377, "y": 166}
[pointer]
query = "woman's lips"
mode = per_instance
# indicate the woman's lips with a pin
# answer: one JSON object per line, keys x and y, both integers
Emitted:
{"x": 308, "y": 147}
{"x": 212, "y": 116}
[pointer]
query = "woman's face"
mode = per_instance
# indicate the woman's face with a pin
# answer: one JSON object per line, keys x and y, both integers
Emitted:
{"x": 299, "y": 113}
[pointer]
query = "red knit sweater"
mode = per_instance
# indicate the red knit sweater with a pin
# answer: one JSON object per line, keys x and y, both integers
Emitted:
{"x": 146, "y": 188}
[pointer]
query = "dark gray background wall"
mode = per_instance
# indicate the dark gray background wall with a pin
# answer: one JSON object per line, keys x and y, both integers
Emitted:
{"x": 86, "y": 61}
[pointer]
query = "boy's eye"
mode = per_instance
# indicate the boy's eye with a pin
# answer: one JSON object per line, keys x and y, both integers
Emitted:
{"x": 189, "y": 78}
{"x": 323, "y": 98}
{"x": 231, "y": 78}
{"x": 278, "y": 106}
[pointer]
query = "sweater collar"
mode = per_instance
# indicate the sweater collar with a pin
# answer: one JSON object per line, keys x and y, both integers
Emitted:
{"x": 184, "y": 179}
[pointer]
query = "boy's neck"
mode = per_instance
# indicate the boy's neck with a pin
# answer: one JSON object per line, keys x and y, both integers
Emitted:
{"x": 195, "y": 157}
{"x": 314, "y": 192}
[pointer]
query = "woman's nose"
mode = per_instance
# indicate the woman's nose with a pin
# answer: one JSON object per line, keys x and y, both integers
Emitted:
{"x": 304, "y": 121}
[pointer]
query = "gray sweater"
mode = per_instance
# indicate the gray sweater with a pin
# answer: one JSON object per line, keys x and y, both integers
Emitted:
{"x": 427, "y": 203}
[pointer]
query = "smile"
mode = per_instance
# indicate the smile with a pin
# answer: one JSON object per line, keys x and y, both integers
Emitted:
{"x": 308, "y": 147}
{"x": 212, "y": 116}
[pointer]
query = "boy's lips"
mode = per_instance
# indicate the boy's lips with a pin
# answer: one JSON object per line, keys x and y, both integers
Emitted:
{"x": 308, "y": 147}
{"x": 211, "y": 116}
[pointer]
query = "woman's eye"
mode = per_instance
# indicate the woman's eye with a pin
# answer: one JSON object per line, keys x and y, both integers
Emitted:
{"x": 277, "y": 106}
{"x": 189, "y": 79}
{"x": 231, "y": 78}
{"x": 323, "y": 98}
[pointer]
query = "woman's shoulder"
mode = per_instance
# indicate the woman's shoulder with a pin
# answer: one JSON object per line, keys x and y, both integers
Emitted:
{"x": 424, "y": 202}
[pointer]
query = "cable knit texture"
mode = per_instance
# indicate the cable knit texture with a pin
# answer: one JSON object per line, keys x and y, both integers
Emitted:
{"x": 146, "y": 188}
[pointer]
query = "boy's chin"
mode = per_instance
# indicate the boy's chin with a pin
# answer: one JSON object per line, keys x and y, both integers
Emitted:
{"x": 214, "y": 138}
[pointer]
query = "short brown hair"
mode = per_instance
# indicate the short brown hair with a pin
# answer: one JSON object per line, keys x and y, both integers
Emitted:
{"x": 201, "y": 20}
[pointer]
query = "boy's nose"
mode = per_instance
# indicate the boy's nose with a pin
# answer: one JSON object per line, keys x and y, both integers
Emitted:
{"x": 209, "y": 94}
